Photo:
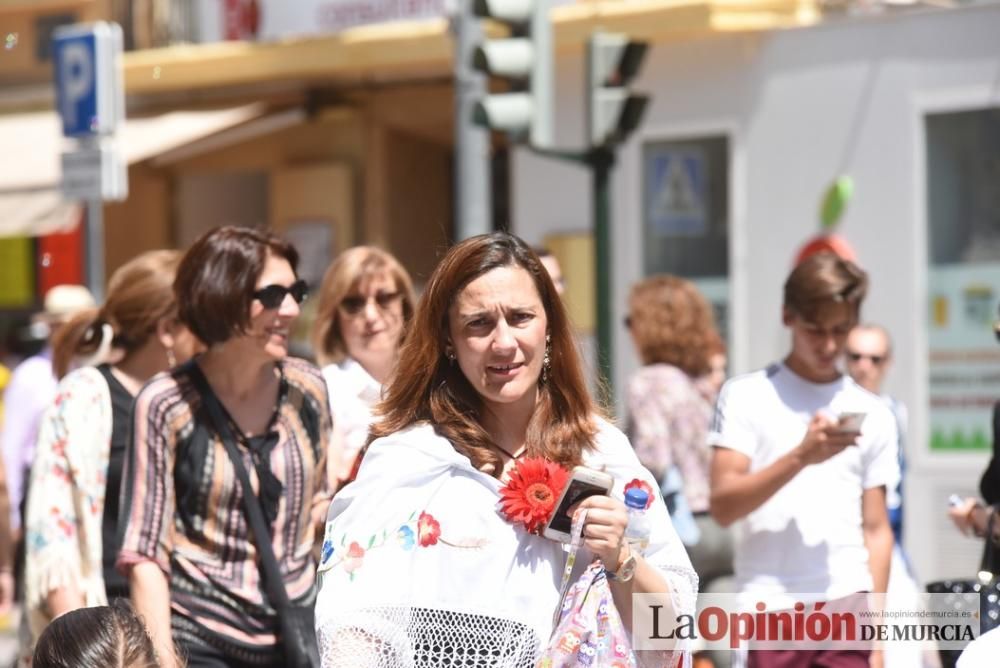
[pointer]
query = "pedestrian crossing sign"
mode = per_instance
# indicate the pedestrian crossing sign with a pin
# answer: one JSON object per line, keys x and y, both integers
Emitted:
{"x": 677, "y": 193}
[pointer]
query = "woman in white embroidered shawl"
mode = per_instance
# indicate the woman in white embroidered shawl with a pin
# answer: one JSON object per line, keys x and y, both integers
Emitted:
{"x": 418, "y": 567}
{"x": 72, "y": 509}
{"x": 365, "y": 304}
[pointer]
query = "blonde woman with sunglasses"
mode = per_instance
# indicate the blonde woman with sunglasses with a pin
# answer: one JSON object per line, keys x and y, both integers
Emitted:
{"x": 365, "y": 304}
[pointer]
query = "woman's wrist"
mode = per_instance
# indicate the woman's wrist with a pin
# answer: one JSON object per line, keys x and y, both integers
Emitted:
{"x": 623, "y": 554}
{"x": 978, "y": 518}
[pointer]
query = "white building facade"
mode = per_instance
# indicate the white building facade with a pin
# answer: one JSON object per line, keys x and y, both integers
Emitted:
{"x": 723, "y": 184}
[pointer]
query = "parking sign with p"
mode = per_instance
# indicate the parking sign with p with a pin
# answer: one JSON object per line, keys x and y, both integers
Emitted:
{"x": 88, "y": 78}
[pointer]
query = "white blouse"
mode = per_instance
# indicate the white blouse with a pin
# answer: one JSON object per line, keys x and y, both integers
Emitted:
{"x": 418, "y": 566}
{"x": 353, "y": 394}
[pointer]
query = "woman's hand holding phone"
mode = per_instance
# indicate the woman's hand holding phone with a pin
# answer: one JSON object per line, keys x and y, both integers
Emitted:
{"x": 604, "y": 532}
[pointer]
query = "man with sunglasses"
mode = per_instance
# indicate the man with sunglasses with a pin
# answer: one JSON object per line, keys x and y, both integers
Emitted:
{"x": 868, "y": 356}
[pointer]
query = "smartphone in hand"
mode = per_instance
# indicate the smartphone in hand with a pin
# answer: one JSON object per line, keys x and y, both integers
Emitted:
{"x": 850, "y": 422}
{"x": 583, "y": 483}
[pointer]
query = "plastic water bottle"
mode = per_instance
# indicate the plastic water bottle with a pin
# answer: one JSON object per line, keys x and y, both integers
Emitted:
{"x": 637, "y": 532}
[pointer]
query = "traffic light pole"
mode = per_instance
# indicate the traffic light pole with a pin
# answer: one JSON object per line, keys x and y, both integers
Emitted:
{"x": 473, "y": 210}
{"x": 600, "y": 160}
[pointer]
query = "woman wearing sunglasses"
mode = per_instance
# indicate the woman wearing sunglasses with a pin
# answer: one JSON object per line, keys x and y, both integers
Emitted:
{"x": 365, "y": 303}
{"x": 194, "y": 565}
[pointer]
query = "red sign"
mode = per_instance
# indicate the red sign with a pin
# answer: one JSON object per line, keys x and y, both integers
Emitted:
{"x": 242, "y": 19}
{"x": 60, "y": 259}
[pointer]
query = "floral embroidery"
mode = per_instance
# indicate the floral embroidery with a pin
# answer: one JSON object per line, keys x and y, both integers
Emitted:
{"x": 644, "y": 486}
{"x": 326, "y": 553}
{"x": 354, "y": 558}
{"x": 429, "y": 529}
{"x": 419, "y": 530}
{"x": 405, "y": 537}
{"x": 530, "y": 494}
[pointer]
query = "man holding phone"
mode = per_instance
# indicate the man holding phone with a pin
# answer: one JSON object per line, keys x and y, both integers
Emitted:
{"x": 801, "y": 462}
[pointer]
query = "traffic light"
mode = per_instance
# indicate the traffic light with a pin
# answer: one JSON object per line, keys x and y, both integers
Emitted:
{"x": 613, "y": 112}
{"x": 523, "y": 58}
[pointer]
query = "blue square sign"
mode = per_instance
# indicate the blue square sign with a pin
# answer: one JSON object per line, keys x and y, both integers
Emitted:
{"x": 87, "y": 59}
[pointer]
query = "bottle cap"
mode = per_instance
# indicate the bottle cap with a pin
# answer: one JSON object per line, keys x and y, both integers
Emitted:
{"x": 636, "y": 498}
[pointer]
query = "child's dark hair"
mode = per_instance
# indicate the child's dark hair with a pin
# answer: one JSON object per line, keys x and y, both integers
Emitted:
{"x": 110, "y": 636}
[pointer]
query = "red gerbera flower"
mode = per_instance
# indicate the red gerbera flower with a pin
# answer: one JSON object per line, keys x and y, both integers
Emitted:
{"x": 531, "y": 492}
{"x": 644, "y": 486}
{"x": 428, "y": 529}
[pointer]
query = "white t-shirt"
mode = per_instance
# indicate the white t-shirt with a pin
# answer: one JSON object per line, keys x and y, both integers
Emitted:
{"x": 982, "y": 651}
{"x": 353, "y": 394}
{"x": 807, "y": 538}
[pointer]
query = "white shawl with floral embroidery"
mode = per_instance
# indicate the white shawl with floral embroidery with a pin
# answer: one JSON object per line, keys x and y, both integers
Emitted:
{"x": 418, "y": 566}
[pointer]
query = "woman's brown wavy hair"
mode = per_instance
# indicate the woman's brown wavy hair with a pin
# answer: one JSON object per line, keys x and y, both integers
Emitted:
{"x": 140, "y": 294}
{"x": 672, "y": 323}
{"x": 428, "y": 388}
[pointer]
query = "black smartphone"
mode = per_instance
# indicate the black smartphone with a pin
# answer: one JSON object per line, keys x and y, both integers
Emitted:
{"x": 583, "y": 483}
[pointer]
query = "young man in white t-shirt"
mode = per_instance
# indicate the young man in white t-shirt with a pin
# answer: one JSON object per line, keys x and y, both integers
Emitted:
{"x": 805, "y": 491}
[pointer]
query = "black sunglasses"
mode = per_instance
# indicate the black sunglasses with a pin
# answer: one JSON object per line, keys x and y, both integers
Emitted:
{"x": 355, "y": 304}
{"x": 272, "y": 296}
{"x": 875, "y": 359}
{"x": 627, "y": 321}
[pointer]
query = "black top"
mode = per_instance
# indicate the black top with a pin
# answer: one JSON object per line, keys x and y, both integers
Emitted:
{"x": 989, "y": 487}
{"x": 115, "y": 584}
{"x": 989, "y": 484}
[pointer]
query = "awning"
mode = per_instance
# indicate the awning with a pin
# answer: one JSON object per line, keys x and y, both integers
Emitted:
{"x": 30, "y": 201}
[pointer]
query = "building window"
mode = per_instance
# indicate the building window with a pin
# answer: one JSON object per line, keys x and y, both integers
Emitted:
{"x": 963, "y": 218}
{"x": 44, "y": 27}
{"x": 686, "y": 215}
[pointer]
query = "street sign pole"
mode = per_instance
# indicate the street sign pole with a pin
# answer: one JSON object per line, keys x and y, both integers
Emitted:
{"x": 600, "y": 160}
{"x": 95, "y": 248}
{"x": 91, "y": 101}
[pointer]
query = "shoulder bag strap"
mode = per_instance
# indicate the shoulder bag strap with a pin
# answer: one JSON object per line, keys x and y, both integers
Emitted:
{"x": 274, "y": 584}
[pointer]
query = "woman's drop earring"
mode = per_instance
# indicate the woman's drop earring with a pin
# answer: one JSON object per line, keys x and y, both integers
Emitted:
{"x": 547, "y": 359}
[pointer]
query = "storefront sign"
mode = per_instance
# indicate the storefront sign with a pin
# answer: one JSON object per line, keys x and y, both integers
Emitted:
{"x": 964, "y": 355}
{"x": 280, "y": 18}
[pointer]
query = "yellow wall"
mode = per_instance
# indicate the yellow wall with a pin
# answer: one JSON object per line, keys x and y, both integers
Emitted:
{"x": 399, "y": 182}
{"x": 419, "y": 213}
{"x": 378, "y": 167}
{"x": 140, "y": 223}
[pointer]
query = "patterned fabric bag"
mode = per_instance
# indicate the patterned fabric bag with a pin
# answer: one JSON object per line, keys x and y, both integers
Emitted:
{"x": 588, "y": 630}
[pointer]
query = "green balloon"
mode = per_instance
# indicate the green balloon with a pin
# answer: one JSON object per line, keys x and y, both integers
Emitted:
{"x": 835, "y": 201}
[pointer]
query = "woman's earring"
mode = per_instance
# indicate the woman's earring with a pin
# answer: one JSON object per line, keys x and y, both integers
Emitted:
{"x": 171, "y": 360}
{"x": 450, "y": 354}
{"x": 547, "y": 359}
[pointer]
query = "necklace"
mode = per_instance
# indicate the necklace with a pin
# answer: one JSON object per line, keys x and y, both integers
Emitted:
{"x": 513, "y": 455}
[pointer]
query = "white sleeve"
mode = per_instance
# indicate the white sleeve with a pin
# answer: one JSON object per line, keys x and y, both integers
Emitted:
{"x": 881, "y": 457}
{"x": 732, "y": 426}
{"x": 665, "y": 552}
